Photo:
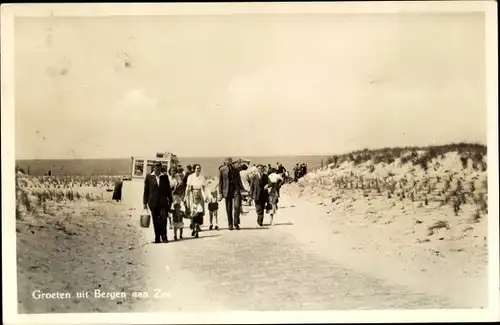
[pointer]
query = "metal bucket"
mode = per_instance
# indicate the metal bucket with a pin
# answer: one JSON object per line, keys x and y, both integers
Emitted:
{"x": 244, "y": 209}
{"x": 145, "y": 219}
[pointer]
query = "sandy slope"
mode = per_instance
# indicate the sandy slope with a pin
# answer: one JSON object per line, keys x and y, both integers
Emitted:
{"x": 82, "y": 246}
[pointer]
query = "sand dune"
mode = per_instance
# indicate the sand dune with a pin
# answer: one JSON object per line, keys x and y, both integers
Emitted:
{"x": 431, "y": 221}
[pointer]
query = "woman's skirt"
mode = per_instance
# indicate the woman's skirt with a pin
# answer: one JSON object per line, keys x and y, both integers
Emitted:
{"x": 273, "y": 199}
{"x": 273, "y": 193}
{"x": 178, "y": 212}
{"x": 197, "y": 206}
{"x": 177, "y": 219}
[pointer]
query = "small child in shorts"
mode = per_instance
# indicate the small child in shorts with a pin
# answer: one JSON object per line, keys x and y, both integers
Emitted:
{"x": 213, "y": 207}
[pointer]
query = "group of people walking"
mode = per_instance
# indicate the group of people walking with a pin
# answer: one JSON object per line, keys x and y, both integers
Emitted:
{"x": 173, "y": 197}
{"x": 177, "y": 195}
{"x": 299, "y": 170}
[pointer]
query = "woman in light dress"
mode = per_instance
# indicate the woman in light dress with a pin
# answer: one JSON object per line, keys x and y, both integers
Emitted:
{"x": 245, "y": 181}
{"x": 195, "y": 198}
{"x": 273, "y": 186}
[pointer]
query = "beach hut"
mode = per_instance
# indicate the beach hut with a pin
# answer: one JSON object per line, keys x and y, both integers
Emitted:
{"x": 133, "y": 186}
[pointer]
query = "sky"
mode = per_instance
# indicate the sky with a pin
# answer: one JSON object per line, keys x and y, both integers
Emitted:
{"x": 251, "y": 85}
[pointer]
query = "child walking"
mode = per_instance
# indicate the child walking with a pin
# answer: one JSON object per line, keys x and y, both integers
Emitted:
{"x": 213, "y": 207}
{"x": 195, "y": 196}
{"x": 177, "y": 219}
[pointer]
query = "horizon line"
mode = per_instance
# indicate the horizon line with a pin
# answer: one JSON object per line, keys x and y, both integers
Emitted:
{"x": 472, "y": 143}
{"x": 183, "y": 157}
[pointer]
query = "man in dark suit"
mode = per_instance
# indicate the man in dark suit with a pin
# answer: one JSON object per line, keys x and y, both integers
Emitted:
{"x": 259, "y": 193}
{"x": 158, "y": 197}
{"x": 230, "y": 187}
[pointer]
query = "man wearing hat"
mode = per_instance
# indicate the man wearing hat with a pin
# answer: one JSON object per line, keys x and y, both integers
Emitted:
{"x": 158, "y": 197}
{"x": 230, "y": 187}
{"x": 259, "y": 193}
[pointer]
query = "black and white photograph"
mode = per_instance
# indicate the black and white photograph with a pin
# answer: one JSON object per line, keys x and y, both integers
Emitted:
{"x": 214, "y": 162}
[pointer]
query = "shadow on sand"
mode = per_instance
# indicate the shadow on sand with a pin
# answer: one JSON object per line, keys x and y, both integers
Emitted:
{"x": 241, "y": 228}
{"x": 286, "y": 206}
{"x": 280, "y": 224}
{"x": 184, "y": 238}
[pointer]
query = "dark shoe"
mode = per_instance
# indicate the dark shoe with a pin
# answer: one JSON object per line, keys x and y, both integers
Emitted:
{"x": 193, "y": 233}
{"x": 196, "y": 235}
{"x": 216, "y": 227}
{"x": 157, "y": 241}
{"x": 165, "y": 240}
{"x": 230, "y": 227}
{"x": 237, "y": 227}
{"x": 211, "y": 227}
{"x": 175, "y": 237}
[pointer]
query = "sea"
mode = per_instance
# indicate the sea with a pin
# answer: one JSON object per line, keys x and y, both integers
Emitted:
{"x": 121, "y": 167}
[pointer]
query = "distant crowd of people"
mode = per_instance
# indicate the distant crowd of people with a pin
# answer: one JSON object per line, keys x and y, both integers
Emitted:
{"x": 177, "y": 194}
{"x": 299, "y": 170}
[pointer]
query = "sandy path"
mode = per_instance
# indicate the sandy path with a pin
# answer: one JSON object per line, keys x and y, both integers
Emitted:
{"x": 294, "y": 265}
{"x": 299, "y": 263}
{"x": 417, "y": 269}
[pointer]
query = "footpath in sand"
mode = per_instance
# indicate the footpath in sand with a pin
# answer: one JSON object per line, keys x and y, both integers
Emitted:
{"x": 305, "y": 261}
{"x": 296, "y": 264}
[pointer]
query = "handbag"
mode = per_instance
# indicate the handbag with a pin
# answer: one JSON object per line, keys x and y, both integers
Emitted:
{"x": 145, "y": 219}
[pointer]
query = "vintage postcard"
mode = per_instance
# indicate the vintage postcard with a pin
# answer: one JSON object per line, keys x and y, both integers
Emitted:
{"x": 249, "y": 162}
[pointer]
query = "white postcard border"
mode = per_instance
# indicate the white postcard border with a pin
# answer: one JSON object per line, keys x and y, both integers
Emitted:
{"x": 10, "y": 11}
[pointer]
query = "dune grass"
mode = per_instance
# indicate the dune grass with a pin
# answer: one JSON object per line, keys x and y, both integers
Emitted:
{"x": 472, "y": 151}
{"x": 408, "y": 176}
{"x": 67, "y": 182}
{"x": 35, "y": 193}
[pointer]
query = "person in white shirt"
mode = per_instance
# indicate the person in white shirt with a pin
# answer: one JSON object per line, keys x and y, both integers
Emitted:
{"x": 244, "y": 174}
{"x": 253, "y": 170}
{"x": 245, "y": 180}
{"x": 274, "y": 177}
{"x": 195, "y": 198}
{"x": 274, "y": 183}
